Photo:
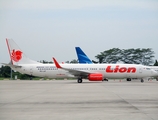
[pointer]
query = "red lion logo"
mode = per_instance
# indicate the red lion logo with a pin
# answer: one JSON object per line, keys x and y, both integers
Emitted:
{"x": 16, "y": 55}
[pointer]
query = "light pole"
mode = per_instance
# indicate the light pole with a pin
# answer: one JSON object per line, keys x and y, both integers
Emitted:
{"x": 10, "y": 73}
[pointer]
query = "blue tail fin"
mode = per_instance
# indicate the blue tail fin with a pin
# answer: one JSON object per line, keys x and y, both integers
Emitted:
{"x": 82, "y": 57}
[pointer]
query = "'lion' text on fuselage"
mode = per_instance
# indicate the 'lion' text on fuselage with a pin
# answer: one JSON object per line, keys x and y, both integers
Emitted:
{"x": 120, "y": 69}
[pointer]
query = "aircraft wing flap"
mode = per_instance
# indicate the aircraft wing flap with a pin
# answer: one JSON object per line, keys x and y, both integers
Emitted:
{"x": 76, "y": 72}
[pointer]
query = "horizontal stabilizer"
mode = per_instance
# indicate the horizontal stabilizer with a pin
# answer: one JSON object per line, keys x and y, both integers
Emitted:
{"x": 12, "y": 66}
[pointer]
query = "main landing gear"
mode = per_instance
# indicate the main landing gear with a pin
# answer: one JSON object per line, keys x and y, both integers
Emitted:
{"x": 142, "y": 80}
{"x": 105, "y": 79}
{"x": 79, "y": 80}
{"x": 128, "y": 79}
{"x": 30, "y": 77}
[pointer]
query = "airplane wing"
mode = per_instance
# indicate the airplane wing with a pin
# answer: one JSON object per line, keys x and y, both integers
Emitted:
{"x": 72, "y": 71}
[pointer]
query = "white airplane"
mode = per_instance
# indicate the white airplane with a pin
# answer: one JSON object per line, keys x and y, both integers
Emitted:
{"x": 99, "y": 72}
{"x": 156, "y": 69}
{"x": 21, "y": 63}
{"x": 83, "y": 59}
{"x": 94, "y": 72}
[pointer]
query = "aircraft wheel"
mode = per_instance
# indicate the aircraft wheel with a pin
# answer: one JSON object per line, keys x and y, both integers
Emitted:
{"x": 79, "y": 80}
{"x": 142, "y": 80}
{"x": 128, "y": 79}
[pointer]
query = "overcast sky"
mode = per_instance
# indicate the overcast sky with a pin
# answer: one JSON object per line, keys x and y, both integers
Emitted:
{"x": 52, "y": 28}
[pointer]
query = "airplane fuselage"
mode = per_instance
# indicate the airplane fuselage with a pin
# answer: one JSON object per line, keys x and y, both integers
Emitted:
{"x": 107, "y": 70}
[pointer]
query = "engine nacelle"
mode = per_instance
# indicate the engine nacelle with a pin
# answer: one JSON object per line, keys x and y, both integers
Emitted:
{"x": 95, "y": 77}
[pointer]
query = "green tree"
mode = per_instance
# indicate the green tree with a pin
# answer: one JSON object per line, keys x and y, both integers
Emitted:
{"x": 94, "y": 61}
{"x": 46, "y": 62}
{"x": 109, "y": 56}
{"x": 74, "y": 61}
{"x": 130, "y": 56}
{"x": 5, "y": 71}
{"x": 67, "y": 62}
{"x": 147, "y": 56}
{"x": 156, "y": 63}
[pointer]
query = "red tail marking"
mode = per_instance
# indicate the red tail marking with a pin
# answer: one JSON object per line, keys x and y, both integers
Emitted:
{"x": 56, "y": 63}
{"x": 9, "y": 50}
{"x": 16, "y": 55}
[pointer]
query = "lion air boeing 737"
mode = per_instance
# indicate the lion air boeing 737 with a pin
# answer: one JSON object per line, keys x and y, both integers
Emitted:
{"x": 98, "y": 72}
{"x": 83, "y": 59}
{"x": 93, "y": 72}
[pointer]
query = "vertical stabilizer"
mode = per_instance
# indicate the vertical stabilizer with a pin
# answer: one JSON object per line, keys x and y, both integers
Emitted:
{"x": 17, "y": 56}
{"x": 82, "y": 57}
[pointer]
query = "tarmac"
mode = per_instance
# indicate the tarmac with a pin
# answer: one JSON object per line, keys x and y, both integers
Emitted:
{"x": 69, "y": 100}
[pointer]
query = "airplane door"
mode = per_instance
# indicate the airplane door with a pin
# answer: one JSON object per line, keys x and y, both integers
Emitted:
{"x": 140, "y": 70}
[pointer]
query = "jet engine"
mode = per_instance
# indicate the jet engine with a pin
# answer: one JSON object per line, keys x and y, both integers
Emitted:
{"x": 95, "y": 77}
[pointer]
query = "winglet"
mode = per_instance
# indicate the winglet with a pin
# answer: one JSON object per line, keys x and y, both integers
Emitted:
{"x": 56, "y": 63}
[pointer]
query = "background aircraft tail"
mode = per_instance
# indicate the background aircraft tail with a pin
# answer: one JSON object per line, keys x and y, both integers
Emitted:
{"x": 82, "y": 57}
{"x": 17, "y": 56}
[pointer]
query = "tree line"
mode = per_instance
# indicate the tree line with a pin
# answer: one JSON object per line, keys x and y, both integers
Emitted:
{"x": 127, "y": 56}
{"x": 114, "y": 55}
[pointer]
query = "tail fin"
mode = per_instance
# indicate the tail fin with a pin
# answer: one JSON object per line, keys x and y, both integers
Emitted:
{"x": 82, "y": 57}
{"x": 17, "y": 56}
